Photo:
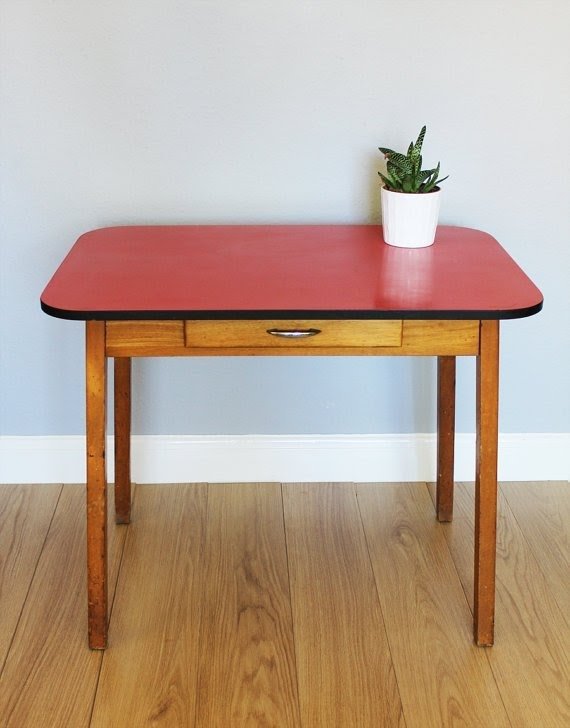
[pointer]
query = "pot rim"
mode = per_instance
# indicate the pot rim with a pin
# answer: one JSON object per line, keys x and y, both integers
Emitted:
{"x": 412, "y": 194}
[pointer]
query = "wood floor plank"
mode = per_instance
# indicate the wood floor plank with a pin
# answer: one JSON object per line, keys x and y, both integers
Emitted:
{"x": 247, "y": 667}
{"x": 25, "y": 515}
{"x": 444, "y": 680}
{"x": 50, "y": 674}
{"x": 150, "y": 672}
{"x": 464, "y": 510}
{"x": 530, "y": 658}
{"x": 346, "y": 677}
{"x": 148, "y": 675}
{"x": 542, "y": 511}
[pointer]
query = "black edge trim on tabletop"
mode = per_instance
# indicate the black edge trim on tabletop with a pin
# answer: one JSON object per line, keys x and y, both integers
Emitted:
{"x": 282, "y": 315}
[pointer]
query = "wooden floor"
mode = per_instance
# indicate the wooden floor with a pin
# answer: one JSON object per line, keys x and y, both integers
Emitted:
{"x": 314, "y": 605}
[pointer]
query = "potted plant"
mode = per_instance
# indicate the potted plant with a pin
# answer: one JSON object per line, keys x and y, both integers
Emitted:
{"x": 410, "y": 197}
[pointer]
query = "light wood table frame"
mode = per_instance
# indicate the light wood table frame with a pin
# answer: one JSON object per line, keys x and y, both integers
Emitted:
{"x": 289, "y": 291}
{"x": 444, "y": 339}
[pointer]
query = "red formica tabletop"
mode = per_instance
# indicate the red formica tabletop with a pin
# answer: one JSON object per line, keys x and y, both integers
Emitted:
{"x": 285, "y": 271}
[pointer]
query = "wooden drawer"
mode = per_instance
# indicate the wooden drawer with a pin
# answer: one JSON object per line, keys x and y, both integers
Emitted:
{"x": 292, "y": 333}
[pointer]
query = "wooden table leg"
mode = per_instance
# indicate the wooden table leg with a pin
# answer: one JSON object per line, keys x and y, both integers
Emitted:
{"x": 486, "y": 482}
{"x": 122, "y": 393}
{"x": 96, "y": 386}
{"x": 445, "y": 436}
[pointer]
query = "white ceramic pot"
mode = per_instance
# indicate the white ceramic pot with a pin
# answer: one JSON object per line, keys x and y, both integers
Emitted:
{"x": 409, "y": 220}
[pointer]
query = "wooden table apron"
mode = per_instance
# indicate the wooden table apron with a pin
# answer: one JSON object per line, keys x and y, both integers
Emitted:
{"x": 123, "y": 340}
{"x": 332, "y": 290}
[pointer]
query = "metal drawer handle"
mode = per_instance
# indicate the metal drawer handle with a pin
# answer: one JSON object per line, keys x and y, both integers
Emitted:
{"x": 294, "y": 333}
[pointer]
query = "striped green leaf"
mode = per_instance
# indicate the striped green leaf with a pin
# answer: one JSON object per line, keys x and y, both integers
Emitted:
{"x": 404, "y": 171}
{"x": 417, "y": 147}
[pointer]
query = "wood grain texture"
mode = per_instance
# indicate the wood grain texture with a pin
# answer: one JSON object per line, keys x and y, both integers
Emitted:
{"x": 445, "y": 437}
{"x": 531, "y": 655}
{"x": 247, "y": 666}
{"x": 346, "y": 677}
{"x": 155, "y": 624}
{"x": 444, "y": 680}
{"x": 166, "y": 338}
{"x": 25, "y": 515}
{"x": 122, "y": 419}
{"x": 444, "y": 338}
{"x": 138, "y": 334}
{"x": 487, "y": 433}
{"x": 96, "y": 403}
{"x": 343, "y": 332}
{"x": 50, "y": 678}
{"x": 50, "y": 675}
{"x": 542, "y": 511}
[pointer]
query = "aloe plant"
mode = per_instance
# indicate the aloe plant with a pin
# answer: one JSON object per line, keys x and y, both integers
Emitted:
{"x": 404, "y": 171}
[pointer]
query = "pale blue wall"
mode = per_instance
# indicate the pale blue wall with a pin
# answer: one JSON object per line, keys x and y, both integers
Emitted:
{"x": 127, "y": 111}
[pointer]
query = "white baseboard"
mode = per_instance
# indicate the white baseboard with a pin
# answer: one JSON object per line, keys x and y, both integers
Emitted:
{"x": 287, "y": 458}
